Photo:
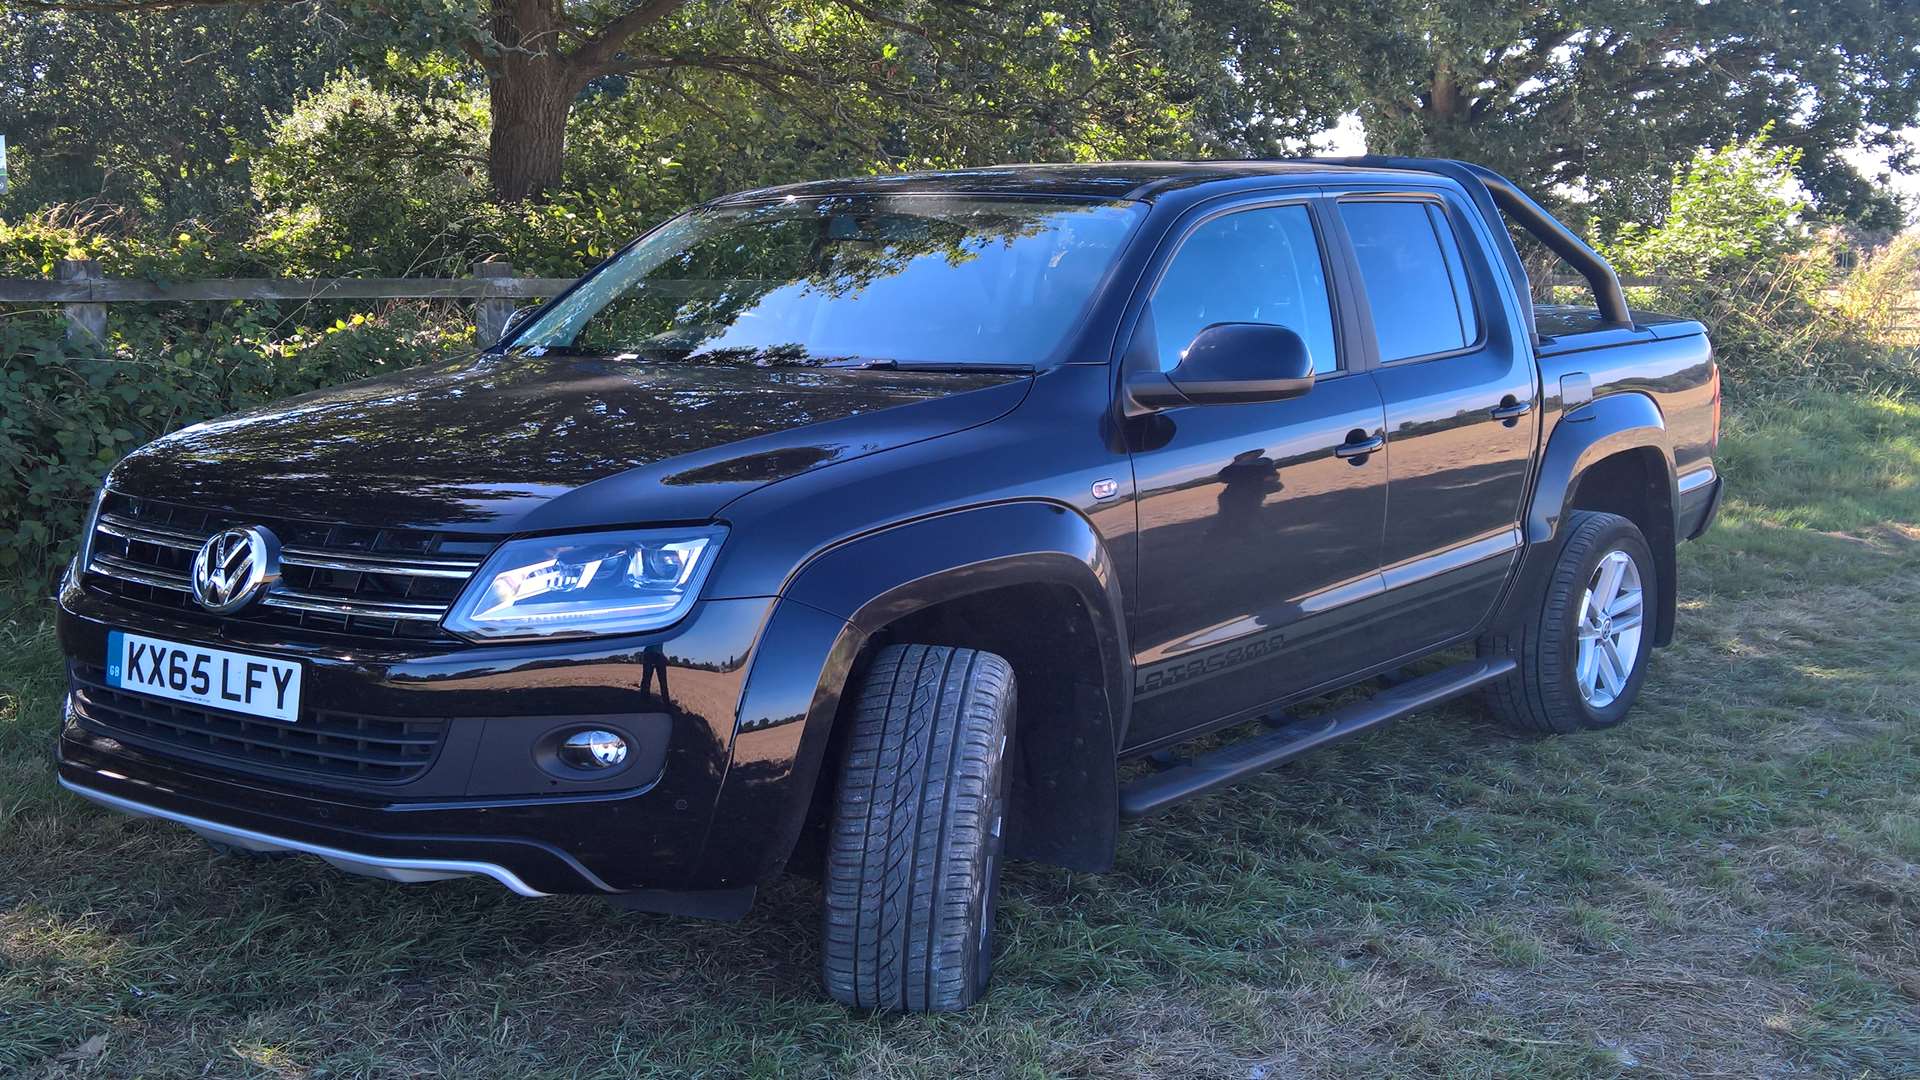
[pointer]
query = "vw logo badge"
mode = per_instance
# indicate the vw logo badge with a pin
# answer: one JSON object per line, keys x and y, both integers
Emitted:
{"x": 234, "y": 567}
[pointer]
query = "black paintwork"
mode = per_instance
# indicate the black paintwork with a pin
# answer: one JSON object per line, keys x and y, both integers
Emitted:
{"x": 1156, "y": 571}
{"x": 509, "y": 444}
{"x": 1139, "y": 180}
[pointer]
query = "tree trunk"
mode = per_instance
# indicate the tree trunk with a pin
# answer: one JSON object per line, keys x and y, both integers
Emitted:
{"x": 531, "y": 87}
{"x": 527, "y": 147}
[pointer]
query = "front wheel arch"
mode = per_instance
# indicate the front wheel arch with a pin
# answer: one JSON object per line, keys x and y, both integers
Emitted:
{"x": 1065, "y": 786}
{"x": 1043, "y": 564}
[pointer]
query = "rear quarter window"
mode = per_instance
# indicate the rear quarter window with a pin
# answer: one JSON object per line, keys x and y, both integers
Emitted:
{"x": 1415, "y": 279}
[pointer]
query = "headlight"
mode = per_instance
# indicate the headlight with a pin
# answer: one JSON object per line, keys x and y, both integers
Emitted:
{"x": 586, "y": 583}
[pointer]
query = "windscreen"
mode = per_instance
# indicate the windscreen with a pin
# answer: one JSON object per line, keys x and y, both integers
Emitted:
{"x": 913, "y": 280}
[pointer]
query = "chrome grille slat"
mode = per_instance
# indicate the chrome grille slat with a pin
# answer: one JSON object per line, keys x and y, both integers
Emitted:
{"x": 324, "y": 560}
{"x": 114, "y": 566}
{"x": 336, "y": 579}
{"x": 127, "y": 529}
{"x": 113, "y": 525}
{"x": 299, "y": 601}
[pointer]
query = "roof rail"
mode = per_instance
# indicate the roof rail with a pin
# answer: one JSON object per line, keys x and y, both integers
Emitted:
{"x": 1496, "y": 193}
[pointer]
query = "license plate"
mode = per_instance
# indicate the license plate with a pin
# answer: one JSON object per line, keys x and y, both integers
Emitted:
{"x": 236, "y": 682}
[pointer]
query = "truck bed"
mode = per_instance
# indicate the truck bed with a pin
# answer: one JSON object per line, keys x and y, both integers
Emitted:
{"x": 1567, "y": 328}
{"x": 1665, "y": 357}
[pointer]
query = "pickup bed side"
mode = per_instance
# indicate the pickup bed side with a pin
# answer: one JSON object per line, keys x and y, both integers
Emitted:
{"x": 1632, "y": 421}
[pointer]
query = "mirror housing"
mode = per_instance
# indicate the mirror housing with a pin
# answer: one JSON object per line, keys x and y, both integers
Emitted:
{"x": 517, "y": 318}
{"x": 1229, "y": 364}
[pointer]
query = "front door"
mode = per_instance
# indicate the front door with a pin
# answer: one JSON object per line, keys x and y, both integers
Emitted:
{"x": 1459, "y": 386}
{"x": 1258, "y": 522}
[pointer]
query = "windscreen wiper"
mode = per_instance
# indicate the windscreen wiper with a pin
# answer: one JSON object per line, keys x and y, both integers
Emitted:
{"x": 567, "y": 351}
{"x": 939, "y": 366}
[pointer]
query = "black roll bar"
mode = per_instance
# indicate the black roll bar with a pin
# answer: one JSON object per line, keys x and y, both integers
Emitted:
{"x": 1495, "y": 194}
{"x": 1563, "y": 241}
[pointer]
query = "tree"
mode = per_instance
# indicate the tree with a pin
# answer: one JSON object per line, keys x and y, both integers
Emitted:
{"x": 147, "y": 113}
{"x": 978, "y": 73}
{"x": 1731, "y": 215}
{"x": 1607, "y": 94}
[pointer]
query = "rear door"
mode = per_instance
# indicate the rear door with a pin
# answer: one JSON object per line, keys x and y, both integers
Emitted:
{"x": 1255, "y": 533}
{"x": 1458, "y": 381}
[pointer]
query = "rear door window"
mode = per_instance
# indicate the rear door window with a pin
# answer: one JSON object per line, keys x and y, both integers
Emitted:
{"x": 1261, "y": 265}
{"x": 1415, "y": 280}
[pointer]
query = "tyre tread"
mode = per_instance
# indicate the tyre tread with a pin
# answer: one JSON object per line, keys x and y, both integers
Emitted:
{"x": 1534, "y": 700}
{"x": 911, "y": 822}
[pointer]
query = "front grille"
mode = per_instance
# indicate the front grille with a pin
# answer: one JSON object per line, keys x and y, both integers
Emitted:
{"x": 333, "y": 744}
{"x": 334, "y": 579}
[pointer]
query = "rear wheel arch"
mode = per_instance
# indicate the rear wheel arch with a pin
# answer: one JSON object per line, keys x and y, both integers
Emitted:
{"x": 1637, "y": 484}
{"x": 1564, "y": 647}
{"x": 1612, "y": 455}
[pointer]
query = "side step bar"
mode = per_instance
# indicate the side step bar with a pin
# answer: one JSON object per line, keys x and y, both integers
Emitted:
{"x": 1270, "y": 749}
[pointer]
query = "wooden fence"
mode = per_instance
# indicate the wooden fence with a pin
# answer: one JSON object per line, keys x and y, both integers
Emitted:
{"x": 493, "y": 289}
{"x": 79, "y": 288}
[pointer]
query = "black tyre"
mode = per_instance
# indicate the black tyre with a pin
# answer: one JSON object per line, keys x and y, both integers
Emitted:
{"x": 1583, "y": 654}
{"x": 914, "y": 857}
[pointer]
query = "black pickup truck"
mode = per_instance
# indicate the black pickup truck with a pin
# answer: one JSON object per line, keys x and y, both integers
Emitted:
{"x": 879, "y": 528}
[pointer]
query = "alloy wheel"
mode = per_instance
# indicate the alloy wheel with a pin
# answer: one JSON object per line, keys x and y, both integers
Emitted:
{"x": 1611, "y": 618}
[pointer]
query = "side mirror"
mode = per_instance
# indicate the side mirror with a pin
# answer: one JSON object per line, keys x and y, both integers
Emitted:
{"x": 1229, "y": 363}
{"x": 518, "y": 318}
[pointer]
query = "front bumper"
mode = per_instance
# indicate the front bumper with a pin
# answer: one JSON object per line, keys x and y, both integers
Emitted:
{"x": 389, "y": 867}
{"x": 482, "y": 806}
{"x": 1700, "y": 504}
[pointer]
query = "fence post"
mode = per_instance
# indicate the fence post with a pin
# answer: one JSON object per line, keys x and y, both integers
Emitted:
{"x": 86, "y": 323}
{"x": 491, "y": 313}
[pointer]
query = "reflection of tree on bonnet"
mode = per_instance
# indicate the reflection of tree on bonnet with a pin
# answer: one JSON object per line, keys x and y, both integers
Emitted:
{"x": 807, "y": 283}
{"x": 549, "y": 425}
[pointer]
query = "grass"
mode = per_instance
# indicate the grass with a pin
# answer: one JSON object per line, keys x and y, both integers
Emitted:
{"x": 1728, "y": 886}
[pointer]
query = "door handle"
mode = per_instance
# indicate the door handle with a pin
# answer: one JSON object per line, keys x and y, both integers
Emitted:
{"x": 1512, "y": 409}
{"x": 1359, "y": 445}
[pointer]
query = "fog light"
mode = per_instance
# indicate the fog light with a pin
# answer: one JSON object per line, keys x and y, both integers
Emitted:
{"x": 593, "y": 748}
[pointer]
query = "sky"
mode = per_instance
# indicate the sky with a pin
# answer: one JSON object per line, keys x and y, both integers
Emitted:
{"x": 1872, "y": 164}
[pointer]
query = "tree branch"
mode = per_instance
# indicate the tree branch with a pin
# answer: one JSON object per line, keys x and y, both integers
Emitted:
{"x": 1508, "y": 77}
{"x": 867, "y": 12}
{"x": 109, "y": 6}
{"x": 598, "y": 52}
